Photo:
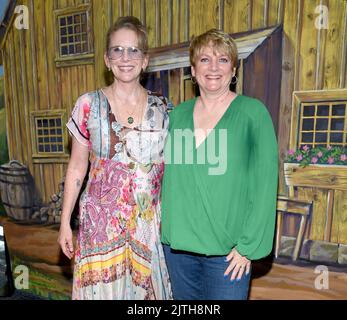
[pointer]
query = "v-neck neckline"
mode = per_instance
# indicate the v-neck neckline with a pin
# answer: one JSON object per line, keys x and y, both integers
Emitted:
{"x": 117, "y": 120}
{"x": 216, "y": 125}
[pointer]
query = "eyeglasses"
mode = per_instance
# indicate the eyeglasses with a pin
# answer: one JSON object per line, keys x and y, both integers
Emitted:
{"x": 133, "y": 53}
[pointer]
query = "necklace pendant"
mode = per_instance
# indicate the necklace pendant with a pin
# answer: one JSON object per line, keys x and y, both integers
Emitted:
{"x": 130, "y": 120}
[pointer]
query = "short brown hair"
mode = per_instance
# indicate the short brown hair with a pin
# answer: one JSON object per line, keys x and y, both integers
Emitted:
{"x": 131, "y": 23}
{"x": 220, "y": 40}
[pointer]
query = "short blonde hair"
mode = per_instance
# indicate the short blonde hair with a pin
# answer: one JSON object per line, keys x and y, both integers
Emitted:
{"x": 219, "y": 40}
{"x": 131, "y": 23}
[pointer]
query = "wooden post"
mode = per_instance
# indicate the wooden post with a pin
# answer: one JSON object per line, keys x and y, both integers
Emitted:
{"x": 329, "y": 215}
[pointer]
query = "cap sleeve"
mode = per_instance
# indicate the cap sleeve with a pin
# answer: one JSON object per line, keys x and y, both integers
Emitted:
{"x": 78, "y": 121}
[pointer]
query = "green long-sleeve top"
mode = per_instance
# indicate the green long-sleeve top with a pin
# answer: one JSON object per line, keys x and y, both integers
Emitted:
{"x": 222, "y": 194}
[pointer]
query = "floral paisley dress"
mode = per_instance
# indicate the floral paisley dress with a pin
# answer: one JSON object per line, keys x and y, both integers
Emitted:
{"x": 118, "y": 252}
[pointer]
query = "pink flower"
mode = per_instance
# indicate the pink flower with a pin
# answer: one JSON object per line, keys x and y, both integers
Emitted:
{"x": 299, "y": 157}
{"x": 331, "y": 160}
{"x": 343, "y": 157}
{"x": 291, "y": 152}
{"x": 329, "y": 147}
{"x": 314, "y": 160}
{"x": 320, "y": 154}
{"x": 305, "y": 147}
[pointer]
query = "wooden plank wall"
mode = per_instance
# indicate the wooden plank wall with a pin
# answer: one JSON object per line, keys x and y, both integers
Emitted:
{"x": 312, "y": 59}
{"x": 33, "y": 82}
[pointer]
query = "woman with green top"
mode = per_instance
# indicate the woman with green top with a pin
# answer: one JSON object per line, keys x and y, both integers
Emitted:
{"x": 220, "y": 180}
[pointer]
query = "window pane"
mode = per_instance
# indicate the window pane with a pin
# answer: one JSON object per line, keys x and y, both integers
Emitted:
{"x": 305, "y": 144}
{"x": 62, "y": 21}
{"x": 59, "y": 131}
{"x": 63, "y": 51}
{"x": 53, "y": 131}
{"x": 40, "y": 140}
{"x": 41, "y": 148}
{"x": 336, "y": 137}
{"x": 47, "y": 148}
{"x": 321, "y": 137}
{"x": 309, "y": 111}
{"x": 60, "y": 148}
{"x": 78, "y": 48}
{"x": 339, "y": 110}
{"x": 69, "y": 19}
{"x": 53, "y": 139}
{"x": 71, "y": 49}
{"x": 59, "y": 139}
{"x": 70, "y": 30}
{"x": 323, "y": 110}
{"x": 63, "y": 40}
{"x": 77, "y": 29}
{"x": 58, "y": 122}
{"x": 39, "y": 123}
{"x": 54, "y": 148}
{"x": 321, "y": 124}
{"x": 45, "y": 132}
{"x": 51, "y": 122}
{"x": 307, "y": 124}
{"x": 45, "y": 122}
{"x": 337, "y": 124}
{"x": 70, "y": 39}
{"x": 307, "y": 137}
{"x": 39, "y": 132}
{"x": 77, "y": 18}
{"x": 46, "y": 139}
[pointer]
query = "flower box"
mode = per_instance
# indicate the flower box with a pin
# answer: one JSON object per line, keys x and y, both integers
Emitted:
{"x": 316, "y": 175}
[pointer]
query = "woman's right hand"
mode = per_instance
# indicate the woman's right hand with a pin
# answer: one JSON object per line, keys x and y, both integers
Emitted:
{"x": 65, "y": 240}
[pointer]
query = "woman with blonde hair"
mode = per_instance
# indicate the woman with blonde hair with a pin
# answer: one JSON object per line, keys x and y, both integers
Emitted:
{"x": 121, "y": 131}
{"x": 215, "y": 222}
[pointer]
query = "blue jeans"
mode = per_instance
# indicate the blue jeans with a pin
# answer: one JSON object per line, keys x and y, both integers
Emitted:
{"x": 199, "y": 277}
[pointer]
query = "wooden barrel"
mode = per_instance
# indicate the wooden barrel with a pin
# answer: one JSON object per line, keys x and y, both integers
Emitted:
{"x": 17, "y": 190}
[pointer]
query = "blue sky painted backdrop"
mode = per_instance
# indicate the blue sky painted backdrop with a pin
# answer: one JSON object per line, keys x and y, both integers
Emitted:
{"x": 3, "y": 5}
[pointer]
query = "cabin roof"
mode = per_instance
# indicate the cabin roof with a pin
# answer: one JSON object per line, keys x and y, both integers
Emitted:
{"x": 177, "y": 56}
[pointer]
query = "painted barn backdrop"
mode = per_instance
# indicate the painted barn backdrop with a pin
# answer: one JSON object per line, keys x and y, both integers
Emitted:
{"x": 60, "y": 57}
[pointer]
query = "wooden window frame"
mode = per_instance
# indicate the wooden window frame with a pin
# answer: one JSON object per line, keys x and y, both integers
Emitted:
{"x": 46, "y": 157}
{"x": 315, "y": 97}
{"x": 76, "y": 59}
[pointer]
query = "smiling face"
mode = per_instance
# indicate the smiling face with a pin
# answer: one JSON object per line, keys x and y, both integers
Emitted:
{"x": 213, "y": 70}
{"x": 124, "y": 68}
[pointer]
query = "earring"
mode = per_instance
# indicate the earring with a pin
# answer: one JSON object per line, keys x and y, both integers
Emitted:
{"x": 235, "y": 81}
{"x": 193, "y": 79}
{"x": 109, "y": 69}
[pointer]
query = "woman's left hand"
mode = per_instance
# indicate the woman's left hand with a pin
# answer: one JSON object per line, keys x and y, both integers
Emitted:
{"x": 238, "y": 264}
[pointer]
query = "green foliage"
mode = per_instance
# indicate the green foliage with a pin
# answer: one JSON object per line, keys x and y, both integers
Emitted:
{"x": 318, "y": 155}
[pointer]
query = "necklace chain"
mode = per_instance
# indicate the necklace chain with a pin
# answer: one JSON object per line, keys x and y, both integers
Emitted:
{"x": 130, "y": 118}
